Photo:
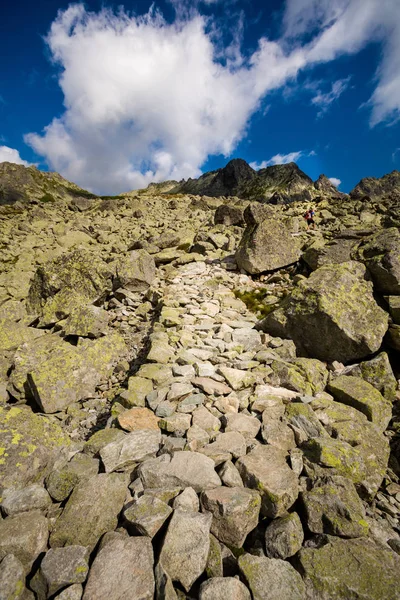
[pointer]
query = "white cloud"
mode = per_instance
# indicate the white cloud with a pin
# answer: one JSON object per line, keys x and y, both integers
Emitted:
{"x": 282, "y": 159}
{"x": 11, "y": 155}
{"x": 324, "y": 100}
{"x": 147, "y": 100}
{"x": 336, "y": 182}
{"x": 394, "y": 154}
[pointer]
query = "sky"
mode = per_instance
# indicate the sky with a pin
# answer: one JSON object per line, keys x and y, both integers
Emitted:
{"x": 116, "y": 96}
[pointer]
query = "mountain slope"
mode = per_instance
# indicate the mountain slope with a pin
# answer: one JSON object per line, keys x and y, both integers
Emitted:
{"x": 19, "y": 183}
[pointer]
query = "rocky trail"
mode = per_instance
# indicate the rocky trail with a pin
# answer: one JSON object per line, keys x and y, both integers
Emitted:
{"x": 199, "y": 398}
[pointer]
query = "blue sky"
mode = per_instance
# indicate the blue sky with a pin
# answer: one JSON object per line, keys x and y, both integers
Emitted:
{"x": 115, "y": 97}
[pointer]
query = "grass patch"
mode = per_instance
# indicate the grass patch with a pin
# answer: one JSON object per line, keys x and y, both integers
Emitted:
{"x": 47, "y": 198}
{"x": 254, "y": 300}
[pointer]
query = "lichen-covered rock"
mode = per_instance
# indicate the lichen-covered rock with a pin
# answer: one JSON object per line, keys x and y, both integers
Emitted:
{"x": 235, "y": 513}
{"x": 380, "y": 254}
{"x": 332, "y": 315}
{"x": 332, "y": 506}
{"x": 362, "y": 570}
{"x": 184, "y": 469}
{"x": 25, "y": 536}
{"x": 61, "y": 481}
{"x": 87, "y": 321}
{"x": 265, "y": 469}
{"x": 271, "y": 578}
{"x": 72, "y": 373}
{"x": 78, "y": 270}
{"x": 321, "y": 253}
{"x": 13, "y": 335}
{"x": 284, "y": 536}
{"x": 122, "y": 569}
{"x": 33, "y": 497}
{"x": 133, "y": 448}
{"x": 268, "y": 245}
{"x": 135, "y": 271}
{"x": 305, "y": 375}
{"x": 361, "y": 395}
{"x": 91, "y": 511}
{"x": 379, "y": 373}
{"x": 147, "y": 515}
{"x": 64, "y": 566}
{"x": 101, "y": 438}
{"x": 12, "y": 579}
{"x": 185, "y": 548}
{"x": 29, "y": 446}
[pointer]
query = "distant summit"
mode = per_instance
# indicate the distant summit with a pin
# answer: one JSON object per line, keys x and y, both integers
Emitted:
{"x": 376, "y": 188}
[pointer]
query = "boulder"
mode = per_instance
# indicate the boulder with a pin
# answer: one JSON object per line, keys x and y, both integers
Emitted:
{"x": 87, "y": 321}
{"x": 25, "y": 536}
{"x": 91, "y": 511}
{"x": 72, "y": 592}
{"x": 332, "y": 315}
{"x": 265, "y": 469}
{"x": 187, "y": 500}
{"x": 135, "y": 271}
{"x": 72, "y": 373}
{"x": 64, "y": 566}
{"x": 267, "y": 246}
{"x": 380, "y": 254}
{"x": 335, "y": 252}
{"x": 332, "y": 505}
{"x": 185, "y": 469}
{"x": 29, "y": 446}
{"x": 122, "y": 569}
{"x": 78, "y": 270}
{"x": 33, "y": 497}
{"x": 284, "y": 536}
{"x": 186, "y": 545}
{"x": 228, "y": 214}
{"x": 362, "y": 569}
{"x": 12, "y": 579}
{"x": 271, "y": 578}
{"x": 146, "y": 515}
{"x": 13, "y": 335}
{"x": 362, "y": 396}
{"x": 235, "y": 513}
{"x": 135, "y": 447}
{"x": 221, "y": 588}
{"x": 137, "y": 419}
{"x": 61, "y": 481}
{"x": 378, "y": 372}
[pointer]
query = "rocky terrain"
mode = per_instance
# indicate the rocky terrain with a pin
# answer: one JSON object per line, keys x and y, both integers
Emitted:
{"x": 199, "y": 398}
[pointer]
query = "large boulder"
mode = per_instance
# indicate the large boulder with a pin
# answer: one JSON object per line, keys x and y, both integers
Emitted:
{"x": 228, "y": 214}
{"x": 25, "y": 536}
{"x": 135, "y": 271}
{"x": 332, "y": 315}
{"x": 29, "y": 446}
{"x": 267, "y": 246}
{"x": 381, "y": 255}
{"x": 271, "y": 578}
{"x": 344, "y": 569}
{"x": 91, "y": 511}
{"x": 122, "y": 569}
{"x": 79, "y": 270}
{"x": 72, "y": 373}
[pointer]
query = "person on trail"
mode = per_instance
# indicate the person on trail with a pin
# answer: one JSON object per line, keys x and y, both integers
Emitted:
{"x": 309, "y": 217}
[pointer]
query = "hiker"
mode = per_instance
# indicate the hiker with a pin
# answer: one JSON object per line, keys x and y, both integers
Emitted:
{"x": 309, "y": 217}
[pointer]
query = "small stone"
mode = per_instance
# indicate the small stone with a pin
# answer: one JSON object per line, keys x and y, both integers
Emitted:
{"x": 135, "y": 447}
{"x": 61, "y": 482}
{"x": 227, "y": 445}
{"x": 230, "y": 476}
{"x": 178, "y": 422}
{"x": 186, "y": 545}
{"x": 147, "y": 515}
{"x": 236, "y": 378}
{"x": 247, "y": 426}
{"x": 211, "y": 387}
{"x": 138, "y": 419}
{"x": 207, "y": 421}
{"x": 138, "y": 389}
{"x": 284, "y": 537}
{"x": 187, "y": 500}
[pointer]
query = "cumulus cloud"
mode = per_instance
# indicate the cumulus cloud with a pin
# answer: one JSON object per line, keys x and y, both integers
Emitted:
{"x": 324, "y": 100}
{"x": 11, "y": 155}
{"x": 336, "y": 182}
{"x": 147, "y": 100}
{"x": 282, "y": 159}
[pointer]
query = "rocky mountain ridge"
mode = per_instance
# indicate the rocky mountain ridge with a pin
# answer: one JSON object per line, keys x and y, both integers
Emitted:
{"x": 199, "y": 398}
